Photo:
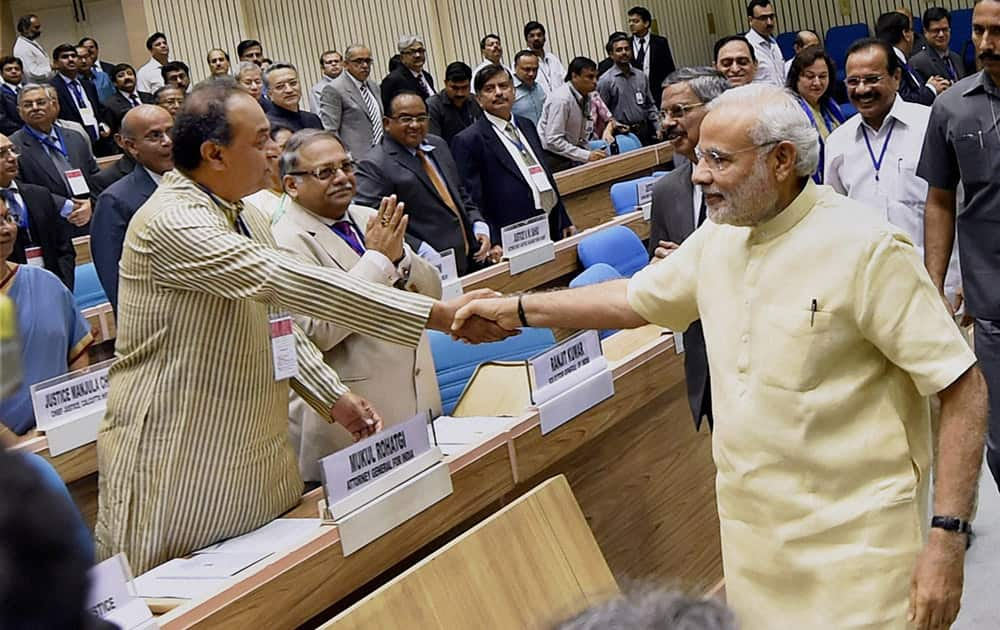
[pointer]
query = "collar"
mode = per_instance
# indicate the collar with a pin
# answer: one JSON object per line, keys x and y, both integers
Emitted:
{"x": 13, "y": 88}
{"x": 900, "y": 54}
{"x": 627, "y": 72}
{"x": 157, "y": 179}
{"x": 68, "y": 80}
{"x": 787, "y": 218}
{"x": 496, "y": 121}
{"x": 984, "y": 83}
{"x": 327, "y": 79}
{"x": 900, "y": 111}
{"x": 181, "y": 181}
{"x": 128, "y": 97}
{"x": 291, "y": 204}
{"x": 518, "y": 83}
{"x": 416, "y": 75}
{"x": 579, "y": 98}
{"x": 12, "y": 187}
{"x": 756, "y": 38}
{"x": 97, "y": 66}
{"x": 426, "y": 148}
{"x": 644, "y": 38}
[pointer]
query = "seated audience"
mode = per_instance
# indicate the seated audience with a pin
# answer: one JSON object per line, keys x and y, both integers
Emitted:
{"x": 149, "y": 79}
{"x": 269, "y": 198}
{"x": 331, "y": 64}
{"x": 321, "y": 226}
{"x": 170, "y": 98}
{"x": 351, "y": 106}
{"x": 811, "y": 78}
{"x": 503, "y": 166}
{"x": 410, "y": 75}
{"x": 551, "y": 72}
{"x": 938, "y": 59}
{"x": 126, "y": 96}
{"x": 567, "y": 124}
{"x": 625, "y": 91}
{"x": 43, "y": 237}
{"x": 145, "y": 136}
{"x": 420, "y": 170}
{"x": 735, "y": 58}
{"x": 53, "y": 333}
{"x": 285, "y": 91}
{"x": 12, "y": 73}
{"x": 451, "y": 110}
{"x": 894, "y": 29}
{"x": 218, "y": 63}
{"x": 529, "y": 96}
{"x": 176, "y": 73}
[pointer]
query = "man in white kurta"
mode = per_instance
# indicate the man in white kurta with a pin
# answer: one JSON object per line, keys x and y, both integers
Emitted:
{"x": 825, "y": 336}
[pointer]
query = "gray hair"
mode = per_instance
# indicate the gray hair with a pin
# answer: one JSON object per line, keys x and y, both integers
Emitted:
{"x": 352, "y": 48}
{"x": 245, "y": 66}
{"x": 290, "y": 158}
{"x": 31, "y": 87}
{"x": 654, "y": 609}
{"x": 779, "y": 119}
{"x": 706, "y": 82}
{"x": 278, "y": 65}
{"x": 405, "y": 41}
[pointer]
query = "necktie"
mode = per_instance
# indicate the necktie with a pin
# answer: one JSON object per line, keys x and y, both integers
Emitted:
{"x": 442, "y": 191}
{"x": 640, "y": 58}
{"x": 702, "y": 212}
{"x": 77, "y": 93}
{"x": 547, "y": 197}
{"x": 428, "y": 92}
{"x": 13, "y": 207}
{"x": 135, "y": 101}
{"x": 373, "y": 114}
{"x": 345, "y": 230}
{"x": 951, "y": 68}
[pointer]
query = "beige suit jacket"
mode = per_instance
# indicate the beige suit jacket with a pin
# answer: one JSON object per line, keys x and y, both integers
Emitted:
{"x": 398, "y": 381}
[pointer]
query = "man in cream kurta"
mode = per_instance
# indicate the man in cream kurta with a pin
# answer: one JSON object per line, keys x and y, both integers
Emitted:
{"x": 824, "y": 337}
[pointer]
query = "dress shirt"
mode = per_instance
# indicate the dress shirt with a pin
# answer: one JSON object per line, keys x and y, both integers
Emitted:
{"x": 392, "y": 273}
{"x": 566, "y": 124}
{"x": 37, "y": 64}
{"x": 899, "y": 195}
{"x": 149, "y": 78}
{"x": 133, "y": 98}
{"x": 80, "y": 93}
{"x": 528, "y": 101}
{"x": 645, "y": 45}
{"x": 804, "y": 395}
{"x": 626, "y": 93}
{"x": 153, "y": 176}
{"x": 770, "y": 61}
{"x": 551, "y": 73}
{"x": 499, "y": 127}
{"x": 317, "y": 91}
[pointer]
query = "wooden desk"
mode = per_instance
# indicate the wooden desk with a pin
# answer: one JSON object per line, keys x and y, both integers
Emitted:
{"x": 105, "y": 162}
{"x": 81, "y": 244}
{"x": 652, "y": 512}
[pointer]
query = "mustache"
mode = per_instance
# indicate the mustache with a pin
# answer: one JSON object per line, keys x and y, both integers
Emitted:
{"x": 673, "y": 133}
{"x": 989, "y": 56}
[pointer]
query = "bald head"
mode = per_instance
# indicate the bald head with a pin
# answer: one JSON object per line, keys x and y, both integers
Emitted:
{"x": 145, "y": 135}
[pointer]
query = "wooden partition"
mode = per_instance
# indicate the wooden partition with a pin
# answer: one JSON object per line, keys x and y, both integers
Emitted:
{"x": 532, "y": 563}
{"x": 643, "y": 477}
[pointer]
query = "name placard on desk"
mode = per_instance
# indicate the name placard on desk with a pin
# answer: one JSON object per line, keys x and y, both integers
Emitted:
{"x": 451, "y": 286}
{"x": 383, "y": 480}
{"x": 69, "y": 408}
{"x": 569, "y": 379}
{"x": 527, "y": 244}
{"x": 644, "y": 191}
{"x": 112, "y": 595}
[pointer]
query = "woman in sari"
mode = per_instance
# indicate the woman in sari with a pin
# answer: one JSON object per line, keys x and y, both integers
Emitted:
{"x": 811, "y": 77}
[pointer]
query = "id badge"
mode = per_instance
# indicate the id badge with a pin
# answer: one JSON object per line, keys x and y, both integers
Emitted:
{"x": 539, "y": 178}
{"x": 77, "y": 183}
{"x": 87, "y": 116}
{"x": 640, "y": 99}
{"x": 283, "y": 356}
{"x": 34, "y": 256}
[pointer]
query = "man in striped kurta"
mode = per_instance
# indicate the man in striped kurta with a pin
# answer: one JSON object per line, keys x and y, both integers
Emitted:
{"x": 194, "y": 446}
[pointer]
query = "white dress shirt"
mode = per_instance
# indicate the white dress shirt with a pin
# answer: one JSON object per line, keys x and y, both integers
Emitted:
{"x": 551, "y": 73}
{"x": 37, "y": 66}
{"x": 499, "y": 126}
{"x": 635, "y": 51}
{"x": 316, "y": 91}
{"x": 898, "y": 193}
{"x": 148, "y": 78}
{"x": 770, "y": 61}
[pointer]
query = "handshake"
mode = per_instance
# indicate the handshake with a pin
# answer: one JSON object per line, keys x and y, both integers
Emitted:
{"x": 475, "y": 317}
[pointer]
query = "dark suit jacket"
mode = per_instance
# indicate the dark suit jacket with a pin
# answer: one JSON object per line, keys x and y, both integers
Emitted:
{"x": 389, "y": 168}
{"x": 49, "y": 231}
{"x": 672, "y": 219}
{"x": 402, "y": 80}
{"x": 913, "y": 89}
{"x": 108, "y": 69}
{"x": 114, "y": 210}
{"x": 494, "y": 180}
{"x": 68, "y": 111}
{"x": 928, "y": 63}
{"x": 117, "y": 106}
{"x": 111, "y": 174}
{"x": 661, "y": 64}
{"x": 10, "y": 119}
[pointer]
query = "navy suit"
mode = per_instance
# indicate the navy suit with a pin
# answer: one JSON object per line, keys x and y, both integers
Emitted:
{"x": 48, "y": 231}
{"x": 494, "y": 180}
{"x": 10, "y": 119}
{"x": 68, "y": 110}
{"x": 114, "y": 210}
{"x": 117, "y": 106}
{"x": 912, "y": 90}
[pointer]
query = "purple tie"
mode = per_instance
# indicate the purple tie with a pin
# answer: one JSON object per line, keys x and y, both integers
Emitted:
{"x": 345, "y": 230}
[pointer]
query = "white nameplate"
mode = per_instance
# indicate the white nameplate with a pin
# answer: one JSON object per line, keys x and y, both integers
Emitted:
{"x": 678, "y": 342}
{"x": 569, "y": 379}
{"x": 69, "y": 408}
{"x": 645, "y": 196}
{"x": 451, "y": 286}
{"x": 527, "y": 244}
{"x": 112, "y": 596}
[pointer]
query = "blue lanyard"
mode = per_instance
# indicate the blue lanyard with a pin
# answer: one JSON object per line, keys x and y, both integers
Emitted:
{"x": 818, "y": 175}
{"x": 47, "y": 141}
{"x": 878, "y": 163}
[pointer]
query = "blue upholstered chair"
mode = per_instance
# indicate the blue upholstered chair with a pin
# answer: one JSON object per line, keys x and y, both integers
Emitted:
{"x": 87, "y": 289}
{"x": 616, "y": 246}
{"x": 786, "y": 41}
{"x": 839, "y": 39}
{"x": 625, "y": 195}
{"x": 627, "y": 142}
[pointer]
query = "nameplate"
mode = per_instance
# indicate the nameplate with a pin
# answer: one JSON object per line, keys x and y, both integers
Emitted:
{"x": 112, "y": 596}
{"x": 353, "y": 470}
{"x": 451, "y": 286}
{"x": 527, "y": 244}
{"x": 570, "y": 403}
{"x": 644, "y": 195}
{"x": 69, "y": 408}
{"x": 569, "y": 379}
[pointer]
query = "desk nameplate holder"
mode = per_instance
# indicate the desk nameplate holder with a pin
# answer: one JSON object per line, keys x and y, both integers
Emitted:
{"x": 528, "y": 244}
{"x": 569, "y": 379}
{"x": 451, "y": 286}
{"x": 112, "y": 596}
{"x": 382, "y": 481}
{"x": 644, "y": 190}
{"x": 69, "y": 408}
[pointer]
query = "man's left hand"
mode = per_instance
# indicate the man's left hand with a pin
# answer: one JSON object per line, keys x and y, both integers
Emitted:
{"x": 936, "y": 587}
{"x": 357, "y": 415}
{"x": 484, "y": 248}
{"x": 81, "y": 212}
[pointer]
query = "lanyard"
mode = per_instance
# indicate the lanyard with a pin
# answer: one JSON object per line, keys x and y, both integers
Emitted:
{"x": 818, "y": 175}
{"x": 47, "y": 140}
{"x": 878, "y": 163}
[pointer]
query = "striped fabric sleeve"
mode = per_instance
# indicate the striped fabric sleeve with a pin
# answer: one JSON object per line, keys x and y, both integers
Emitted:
{"x": 317, "y": 382}
{"x": 195, "y": 250}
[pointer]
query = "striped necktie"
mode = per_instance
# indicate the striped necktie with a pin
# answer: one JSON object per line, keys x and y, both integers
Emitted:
{"x": 373, "y": 114}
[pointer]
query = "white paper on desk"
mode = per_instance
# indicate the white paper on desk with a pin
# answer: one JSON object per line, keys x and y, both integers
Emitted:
{"x": 207, "y": 565}
{"x": 278, "y": 535}
{"x": 152, "y": 587}
{"x": 468, "y": 431}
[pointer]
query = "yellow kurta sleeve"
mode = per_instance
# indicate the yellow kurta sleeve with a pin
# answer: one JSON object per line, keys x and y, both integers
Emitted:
{"x": 317, "y": 382}
{"x": 901, "y": 313}
{"x": 665, "y": 293}
{"x": 195, "y": 250}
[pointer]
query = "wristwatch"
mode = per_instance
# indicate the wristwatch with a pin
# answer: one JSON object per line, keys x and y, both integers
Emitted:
{"x": 951, "y": 524}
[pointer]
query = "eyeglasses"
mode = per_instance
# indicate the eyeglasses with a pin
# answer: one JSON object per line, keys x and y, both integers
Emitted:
{"x": 291, "y": 83}
{"x": 367, "y": 61}
{"x": 678, "y": 111}
{"x": 409, "y": 120}
{"x": 870, "y": 80}
{"x": 9, "y": 151}
{"x": 944, "y": 30}
{"x": 766, "y": 17}
{"x": 156, "y": 137}
{"x": 718, "y": 161}
{"x": 325, "y": 173}
{"x": 415, "y": 51}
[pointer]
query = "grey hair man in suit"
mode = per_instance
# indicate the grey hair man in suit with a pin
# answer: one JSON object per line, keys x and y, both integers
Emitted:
{"x": 679, "y": 205}
{"x": 321, "y": 226}
{"x": 938, "y": 59}
{"x": 351, "y": 105}
{"x": 145, "y": 136}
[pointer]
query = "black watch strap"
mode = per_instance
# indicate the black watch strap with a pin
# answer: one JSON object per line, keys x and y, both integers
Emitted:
{"x": 951, "y": 524}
